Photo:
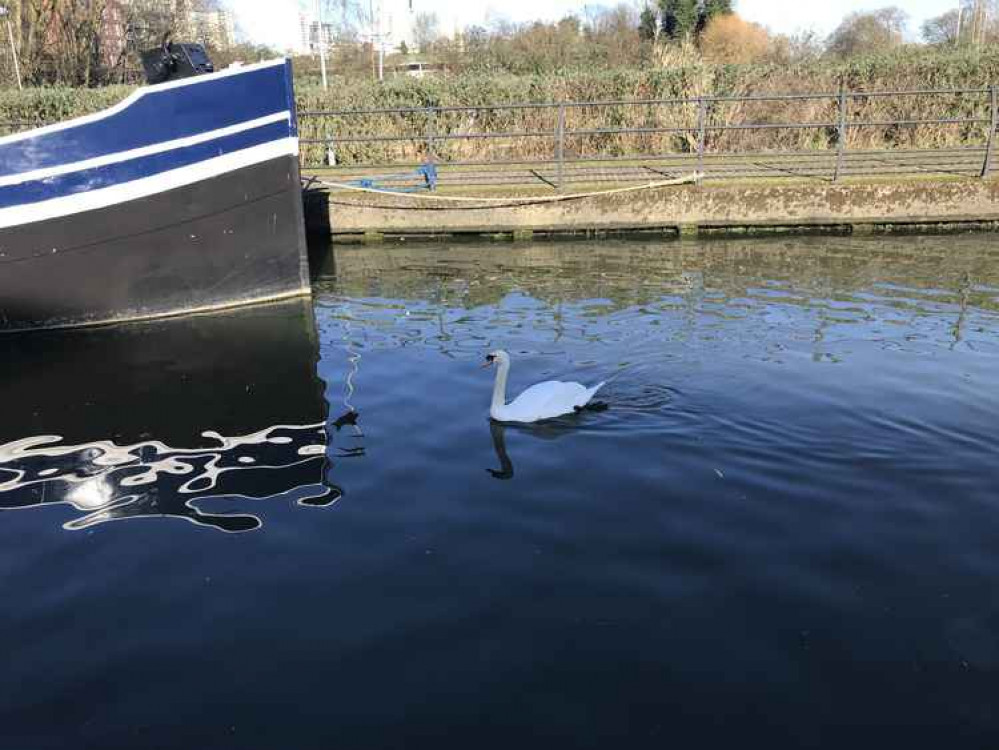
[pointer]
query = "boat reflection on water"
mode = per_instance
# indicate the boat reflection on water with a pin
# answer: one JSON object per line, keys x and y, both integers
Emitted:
{"x": 181, "y": 418}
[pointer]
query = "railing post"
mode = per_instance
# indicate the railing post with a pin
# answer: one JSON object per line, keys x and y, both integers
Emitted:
{"x": 993, "y": 124}
{"x": 702, "y": 116}
{"x": 330, "y": 143}
{"x": 431, "y": 133}
{"x": 840, "y": 133}
{"x": 560, "y": 149}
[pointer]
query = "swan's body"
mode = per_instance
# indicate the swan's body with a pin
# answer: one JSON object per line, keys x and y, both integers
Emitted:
{"x": 547, "y": 400}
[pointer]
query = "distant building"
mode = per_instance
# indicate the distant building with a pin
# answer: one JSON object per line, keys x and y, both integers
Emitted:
{"x": 212, "y": 28}
{"x": 316, "y": 41}
{"x": 306, "y": 20}
{"x": 308, "y": 40}
{"x": 393, "y": 28}
{"x": 398, "y": 16}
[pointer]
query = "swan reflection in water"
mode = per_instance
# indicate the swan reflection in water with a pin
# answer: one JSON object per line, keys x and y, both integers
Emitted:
{"x": 107, "y": 482}
{"x": 548, "y": 431}
{"x": 498, "y": 432}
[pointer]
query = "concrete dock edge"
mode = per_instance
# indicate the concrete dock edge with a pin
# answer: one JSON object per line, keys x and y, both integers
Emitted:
{"x": 686, "y": 211}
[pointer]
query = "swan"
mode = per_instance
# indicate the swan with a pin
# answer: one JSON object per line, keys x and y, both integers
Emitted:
{"x": 546, "y": 400}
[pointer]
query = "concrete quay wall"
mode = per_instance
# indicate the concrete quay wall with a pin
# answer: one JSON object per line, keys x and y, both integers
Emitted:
{"x": 685, "y": 210}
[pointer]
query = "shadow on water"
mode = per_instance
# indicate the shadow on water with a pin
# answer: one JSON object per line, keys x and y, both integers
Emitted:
{"x": 167, "y": 419}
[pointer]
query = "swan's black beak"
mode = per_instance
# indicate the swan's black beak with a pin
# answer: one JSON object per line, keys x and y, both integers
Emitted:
{"x": 489, "y": 361}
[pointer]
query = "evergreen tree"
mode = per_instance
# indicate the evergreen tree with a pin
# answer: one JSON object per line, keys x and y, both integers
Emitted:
{"x": 648, "y": 24}
{"x": 711, "y": 8}
{"x": 680, "y": 18}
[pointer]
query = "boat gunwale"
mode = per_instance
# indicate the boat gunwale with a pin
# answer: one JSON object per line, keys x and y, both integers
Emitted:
{"x": 135, "y": 96}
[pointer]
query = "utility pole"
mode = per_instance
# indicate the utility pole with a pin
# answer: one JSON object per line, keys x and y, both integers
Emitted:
{"x": 5, "y": 13}
{"x": 371, "y": 35}
{"x": 381, "y": 45}
{"x": 376, "y": 38}
{"x": 321, "y": 38}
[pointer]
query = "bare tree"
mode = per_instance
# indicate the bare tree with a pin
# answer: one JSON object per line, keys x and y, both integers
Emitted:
{"x": 868, "y": 32}
{"x": 349, "y": 19}
{"x": 973, "y": 22}
{"x": 980, "y": 22}
{"x": 149, "y": 21}
{"x": 93, "y": 42}
{"x": 803, "y": 46}
{"x": 426, "y": 30}
{"x": 943, "y": 29}
{"x": 68, "y": 42}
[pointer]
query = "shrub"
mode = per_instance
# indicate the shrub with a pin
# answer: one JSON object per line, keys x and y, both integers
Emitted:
{"x": 685, "y": 77}
{"x": 730, "y": 39}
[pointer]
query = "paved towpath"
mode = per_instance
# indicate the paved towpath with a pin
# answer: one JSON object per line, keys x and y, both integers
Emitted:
{"x": 818, "y": 167}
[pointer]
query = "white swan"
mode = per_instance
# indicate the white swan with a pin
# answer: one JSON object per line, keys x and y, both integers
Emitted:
{"x": 541, "y": 401}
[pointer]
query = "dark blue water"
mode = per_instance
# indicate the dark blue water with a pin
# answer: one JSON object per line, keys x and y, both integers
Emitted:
{"x": 295, "y": 527}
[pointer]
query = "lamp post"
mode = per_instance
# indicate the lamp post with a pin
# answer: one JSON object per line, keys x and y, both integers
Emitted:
{"x": 5, "y": 14}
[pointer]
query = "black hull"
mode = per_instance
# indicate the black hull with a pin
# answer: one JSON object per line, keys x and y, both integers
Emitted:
{"x": 226, "y": 241}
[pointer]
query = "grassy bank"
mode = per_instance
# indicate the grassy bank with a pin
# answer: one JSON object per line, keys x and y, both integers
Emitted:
{"x": 910, "y": 69}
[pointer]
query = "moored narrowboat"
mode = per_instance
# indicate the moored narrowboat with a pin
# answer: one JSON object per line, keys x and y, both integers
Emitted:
{"x": 185, "y": 197}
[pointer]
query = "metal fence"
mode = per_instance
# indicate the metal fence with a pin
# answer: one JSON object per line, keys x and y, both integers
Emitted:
{"x": 825, "y": 136}
{"x": 814, "y": 135}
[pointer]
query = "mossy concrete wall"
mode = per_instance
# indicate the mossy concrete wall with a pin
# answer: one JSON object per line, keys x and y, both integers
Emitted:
{"x": 684, "y": 210}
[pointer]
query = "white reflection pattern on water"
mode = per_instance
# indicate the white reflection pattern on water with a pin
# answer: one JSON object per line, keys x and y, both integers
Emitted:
{"x": 108, "y": 482}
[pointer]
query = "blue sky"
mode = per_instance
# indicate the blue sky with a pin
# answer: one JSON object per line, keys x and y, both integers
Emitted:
{"x": 274, "y": 21}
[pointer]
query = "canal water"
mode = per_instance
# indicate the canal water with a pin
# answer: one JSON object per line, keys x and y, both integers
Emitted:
{"x": 294, "y": 526}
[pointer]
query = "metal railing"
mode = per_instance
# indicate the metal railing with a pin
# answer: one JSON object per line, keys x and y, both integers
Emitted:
{"x": 711, "y": 135}
{"x": 809, "y": 135}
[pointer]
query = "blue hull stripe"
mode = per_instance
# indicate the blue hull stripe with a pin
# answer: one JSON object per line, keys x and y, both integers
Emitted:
{"x": 134, "y": 169}
{"x": 159, "y": 114}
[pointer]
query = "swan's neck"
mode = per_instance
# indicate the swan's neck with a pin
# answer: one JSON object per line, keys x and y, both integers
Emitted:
{"x": 499, "y": 387}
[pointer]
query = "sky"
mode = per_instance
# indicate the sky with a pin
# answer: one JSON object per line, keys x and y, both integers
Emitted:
{"x": 274, "y": 22}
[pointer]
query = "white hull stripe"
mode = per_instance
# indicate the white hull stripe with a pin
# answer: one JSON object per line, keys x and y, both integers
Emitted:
{"x": 101, "y": 161}
{"x": 144, "y": 187}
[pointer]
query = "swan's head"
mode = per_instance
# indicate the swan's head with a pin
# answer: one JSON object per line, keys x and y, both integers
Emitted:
{"x": 498, "y": 357}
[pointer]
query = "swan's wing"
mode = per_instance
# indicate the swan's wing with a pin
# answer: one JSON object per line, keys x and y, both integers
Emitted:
{"x": 549, "y": 399}
{"x": 539, "y": 394}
